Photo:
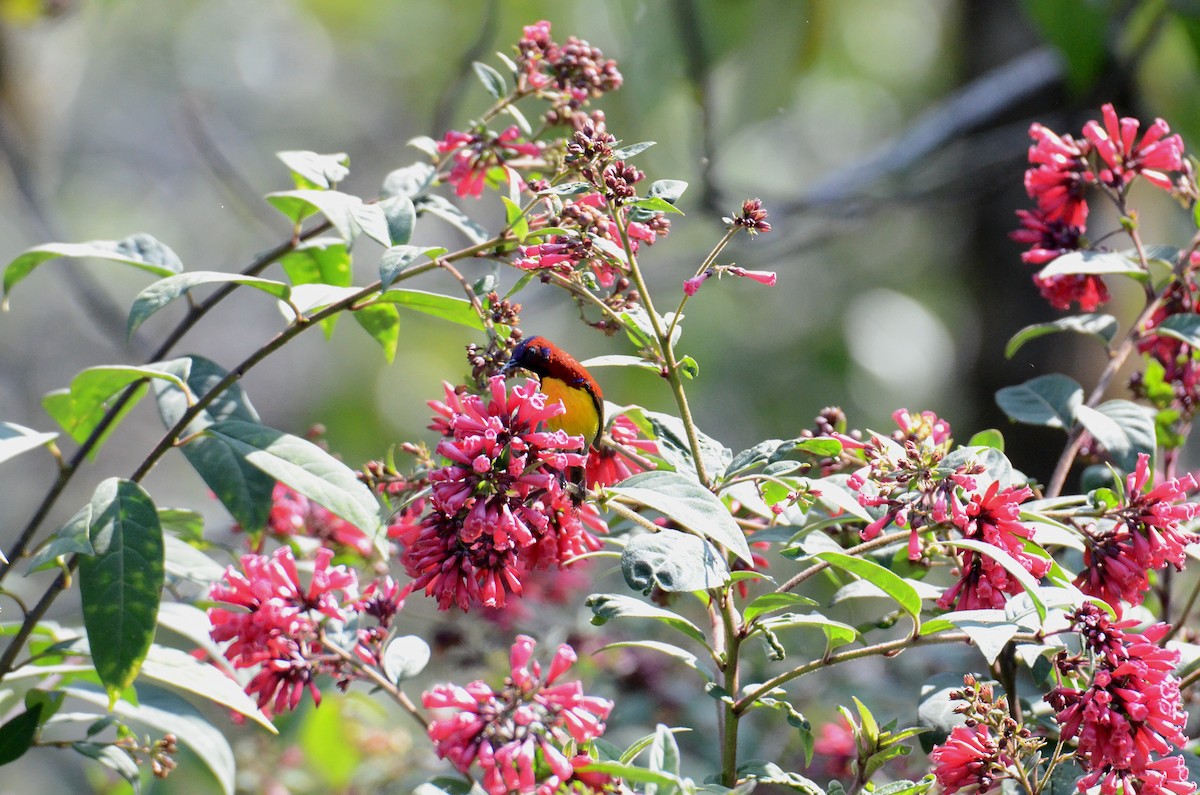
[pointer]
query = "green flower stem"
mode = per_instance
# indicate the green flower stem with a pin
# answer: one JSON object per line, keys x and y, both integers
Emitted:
{"x": 858, "y": 551}
{"x": 887, "y": 649}
{"x": 379, "y": 680}
{"x": 730, "y": 717}
{"x": 664, "y": 342}
{"x": 705, "y": 265}
{"x": 193, "y": 316}
{"x": 1116, "y": 359}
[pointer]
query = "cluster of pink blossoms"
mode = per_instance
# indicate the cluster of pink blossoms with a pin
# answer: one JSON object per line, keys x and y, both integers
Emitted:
{"x": 293, "y": 514}
{"x": 1129, "y": 719}
{"x": 474, "y": 154}
{"x": 1108, "y": 156}
{"x": 516, "y": 735}
{"x": 970, "y": 757}
{"x": 500, "y": 508}
{"x": 1145, "y": 534}
{"x": 906, "y": 480}
{"x": 571, "y": 73}
{"x": 594, "y": 242}
{"x": 276, "y": 623}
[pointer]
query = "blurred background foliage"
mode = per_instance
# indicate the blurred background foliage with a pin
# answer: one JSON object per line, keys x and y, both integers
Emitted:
{"x": 887, "y": 139}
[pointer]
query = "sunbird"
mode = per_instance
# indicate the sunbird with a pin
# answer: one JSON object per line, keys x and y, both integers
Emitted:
{"x": 565, "y": 379}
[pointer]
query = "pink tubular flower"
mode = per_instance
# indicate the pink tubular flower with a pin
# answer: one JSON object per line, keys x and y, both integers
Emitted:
{"x": 1058, "y": 176}
{"x": 474, "y": 154}
{"x": 762, "y": 277}
{"x": 1146, "y": 534}
{"x": 1048, "y": 239}
{"x": 277, "y": 624}
{"x": 499, "y": 507}
{"x": 294, "y": 514}
{"x": 516, "y": 735}
{"x": 692, "y": 286}
{"x": 1130, "y": 718}
{"x": 1085, "y": 289}
{"x": 923, "y": 426}
{"x": 609, "y": 465}
{"x": 968, "y": 758}
{"x": 1155, "y": 155}
{"x": 991, "y": 517}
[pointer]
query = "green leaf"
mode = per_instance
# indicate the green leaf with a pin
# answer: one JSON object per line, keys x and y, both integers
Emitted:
{"x": 1125, "y": 429}
{"x": 669, "y": 190}
{"x": 1102, "y": 327}
{"x": 242, "y": 488}
{"x": 120, "y": 585}
{"x": 989, "y": 437}
{"x": 621, "y": 360}
{"x": 164, "y": 291}
{"x": 682, "y": 655}
{"x": 181, "y": 671}
{"x": 382, "y": 322}
{"x": 410, "y": 181}
{"x": 886, "y": 580}
{"x": 636, "y": 775}
{"x": 455, "y": 310}
{"x": 401, "y": 218}
{"x": 1184, "y": 327}
{"x": 311, "y": 170}
{"x": 685, "y": 502}
{"x": 80, "y": 409}
{"x": 663, "y": 758}
{"x": 673, "y": 444}
{"x": 397, "y": 259}
{"x": 836, "y": 633}
{"x": 994, "y": 466}
{"x": 1049, "y": 400}
{"x": 442, "y": 208}
{"x": 305, "y": 467}
{"x": 16, "y": 439}
{"x": 626, "y": 152}
{"x": 140, "y": 250}
{"x": 322, "y": 260}
{"x": 348, "y": 214}
{"x": 770, "y": 602}
{"x": 17, "y": 734}
{"x": 73, "y": 538}
{"x": 514, "y": 219}
{"x": 772, "y": 774}
{"x": 567, "y": 189}
{"x": 672, "y": 561}
{"x": 493, "y": 81}
{"x": 166, "y": 712}
{"x": 655, "y": 204}
{"x": 113, "y": 758}
{"x": 606, "y": 607}
{"x": 1095, "y": 263}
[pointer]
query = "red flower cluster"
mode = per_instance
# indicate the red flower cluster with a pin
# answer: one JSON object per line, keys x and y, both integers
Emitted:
{"x": 1109, "y": 157}
{"x": 516, "y": 735}
{"x": 294, "y": 514}
{"x": 1130, "y": 717}
{"x": 499, "y": 508}
{"x": 277, "y": 624}
{"x": 595, "y": 239}
{"x": 609, "y": 465}
{"x": 970, "y": 757}
{"x": 575, "y": 69}
{"x": 1143, "y": 534}
{"x": 991, "y": 517}
{"x": 473, "y": 154}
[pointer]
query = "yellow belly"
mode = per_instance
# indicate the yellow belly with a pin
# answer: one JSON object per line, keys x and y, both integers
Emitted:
{"x": 582, "y": 417}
